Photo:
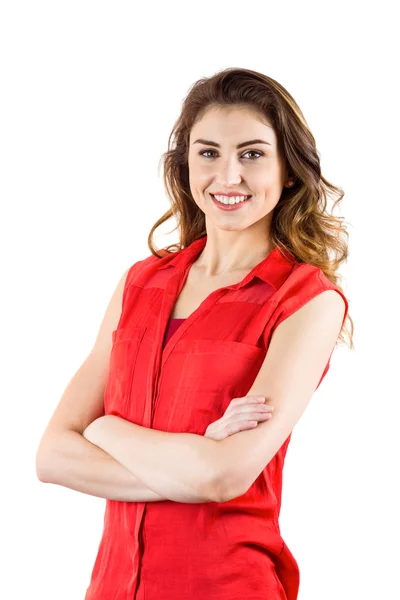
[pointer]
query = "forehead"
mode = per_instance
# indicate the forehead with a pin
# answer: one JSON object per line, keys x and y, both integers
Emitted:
{"x": 220, "y": 123}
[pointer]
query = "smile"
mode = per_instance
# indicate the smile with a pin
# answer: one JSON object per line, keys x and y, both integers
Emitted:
{"x": 232, "y": 203}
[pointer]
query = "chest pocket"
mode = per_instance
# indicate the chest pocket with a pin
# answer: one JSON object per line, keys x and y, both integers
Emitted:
{"x": 127, "y": 351}
{"x": 213, "y": 373}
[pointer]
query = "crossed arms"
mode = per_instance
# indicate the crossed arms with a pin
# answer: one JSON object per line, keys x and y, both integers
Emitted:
{"x": 187, "y": 467}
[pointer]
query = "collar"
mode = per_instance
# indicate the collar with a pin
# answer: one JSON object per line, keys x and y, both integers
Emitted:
{"x": 273, "y": 269}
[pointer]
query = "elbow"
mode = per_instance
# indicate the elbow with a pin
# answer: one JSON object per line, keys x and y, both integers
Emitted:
{"x": 46, "y": 458}
{"x": 224, "y": 492}
{"x": 51, "y": 454}
{"x": 223, "y": 488}
{"x": 42, "y": 462}
{"x": 219, "y": 495}
{"x": 222, "y": 484}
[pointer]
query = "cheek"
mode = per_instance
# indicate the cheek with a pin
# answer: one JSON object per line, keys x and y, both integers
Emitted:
{"x": 199, "y": 181}
{"x": 263, "y": 177}
{"x": 265, "y": 185}
{"x": 196, "y": 174}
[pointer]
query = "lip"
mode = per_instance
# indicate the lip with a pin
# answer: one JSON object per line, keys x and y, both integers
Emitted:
{"x": 229, "y": 206}
{"x": 229, "y": 194}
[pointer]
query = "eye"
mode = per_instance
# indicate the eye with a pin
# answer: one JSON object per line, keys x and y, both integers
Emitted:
{"x": 255, "y": 152}
{"x": 202, "y": 153}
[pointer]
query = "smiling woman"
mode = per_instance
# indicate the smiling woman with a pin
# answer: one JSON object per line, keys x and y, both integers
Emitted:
{"x": 247, "y": 303}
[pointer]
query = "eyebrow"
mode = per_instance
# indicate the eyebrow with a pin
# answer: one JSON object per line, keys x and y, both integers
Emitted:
{"x": 210, "y": 143}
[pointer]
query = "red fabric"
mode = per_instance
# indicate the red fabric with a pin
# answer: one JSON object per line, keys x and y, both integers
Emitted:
{"x": 177, "y": 551}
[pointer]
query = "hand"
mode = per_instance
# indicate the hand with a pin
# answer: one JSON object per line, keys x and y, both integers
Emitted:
{"x": 241, "y": 414}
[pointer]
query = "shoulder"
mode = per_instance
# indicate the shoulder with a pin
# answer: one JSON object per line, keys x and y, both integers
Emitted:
{"x": 327, "y": 308}
{"x": 309, "y": 289}
{"x": 306, "y": 281}
{"x": 133, "y": 270}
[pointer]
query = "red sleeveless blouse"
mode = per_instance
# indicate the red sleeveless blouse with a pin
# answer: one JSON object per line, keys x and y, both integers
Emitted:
{"x": 179, "y": 375}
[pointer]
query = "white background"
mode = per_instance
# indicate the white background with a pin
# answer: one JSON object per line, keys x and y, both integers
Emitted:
{"x": 89, "y": 94}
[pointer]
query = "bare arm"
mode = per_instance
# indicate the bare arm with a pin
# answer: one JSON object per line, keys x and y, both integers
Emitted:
{"x": 199, "y": 469}
{"x": 298, "y": 353}
{"x": 79, "y": 465}
{"x": 64, "y": 457}
{"x": 179, "y": 466}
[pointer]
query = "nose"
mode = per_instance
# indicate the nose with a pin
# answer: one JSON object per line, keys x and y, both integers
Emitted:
{"x": 228, "y": 172}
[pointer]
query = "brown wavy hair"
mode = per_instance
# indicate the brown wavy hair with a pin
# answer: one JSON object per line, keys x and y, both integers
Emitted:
{"x": 300, "y": 222}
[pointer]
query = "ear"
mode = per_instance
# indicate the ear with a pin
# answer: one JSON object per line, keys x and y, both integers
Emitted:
{"x": 289, "y": 182}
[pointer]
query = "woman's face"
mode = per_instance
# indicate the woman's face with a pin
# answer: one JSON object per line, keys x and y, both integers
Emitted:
{"x": 253, "y": 169}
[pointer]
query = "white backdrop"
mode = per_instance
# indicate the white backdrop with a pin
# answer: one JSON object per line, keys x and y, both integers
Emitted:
{"x": 89, "y": 93}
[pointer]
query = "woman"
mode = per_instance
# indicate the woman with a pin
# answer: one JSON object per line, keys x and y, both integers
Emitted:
{"x": 208, "y": 356}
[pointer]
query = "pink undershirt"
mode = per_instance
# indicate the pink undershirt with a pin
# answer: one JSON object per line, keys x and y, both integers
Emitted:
{"x": 172, "y": 326}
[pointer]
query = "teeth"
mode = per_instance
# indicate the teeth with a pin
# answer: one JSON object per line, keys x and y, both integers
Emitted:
{"x": 231, "y": 200}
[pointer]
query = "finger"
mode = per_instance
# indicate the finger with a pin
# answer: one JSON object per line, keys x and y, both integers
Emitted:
{"x": 250, "y": 409}
{"x": 232, "y": 427}
{"x": 245, "y": 401}
{"x": 235, "y": 427}
{"x": 251, "y": 418}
